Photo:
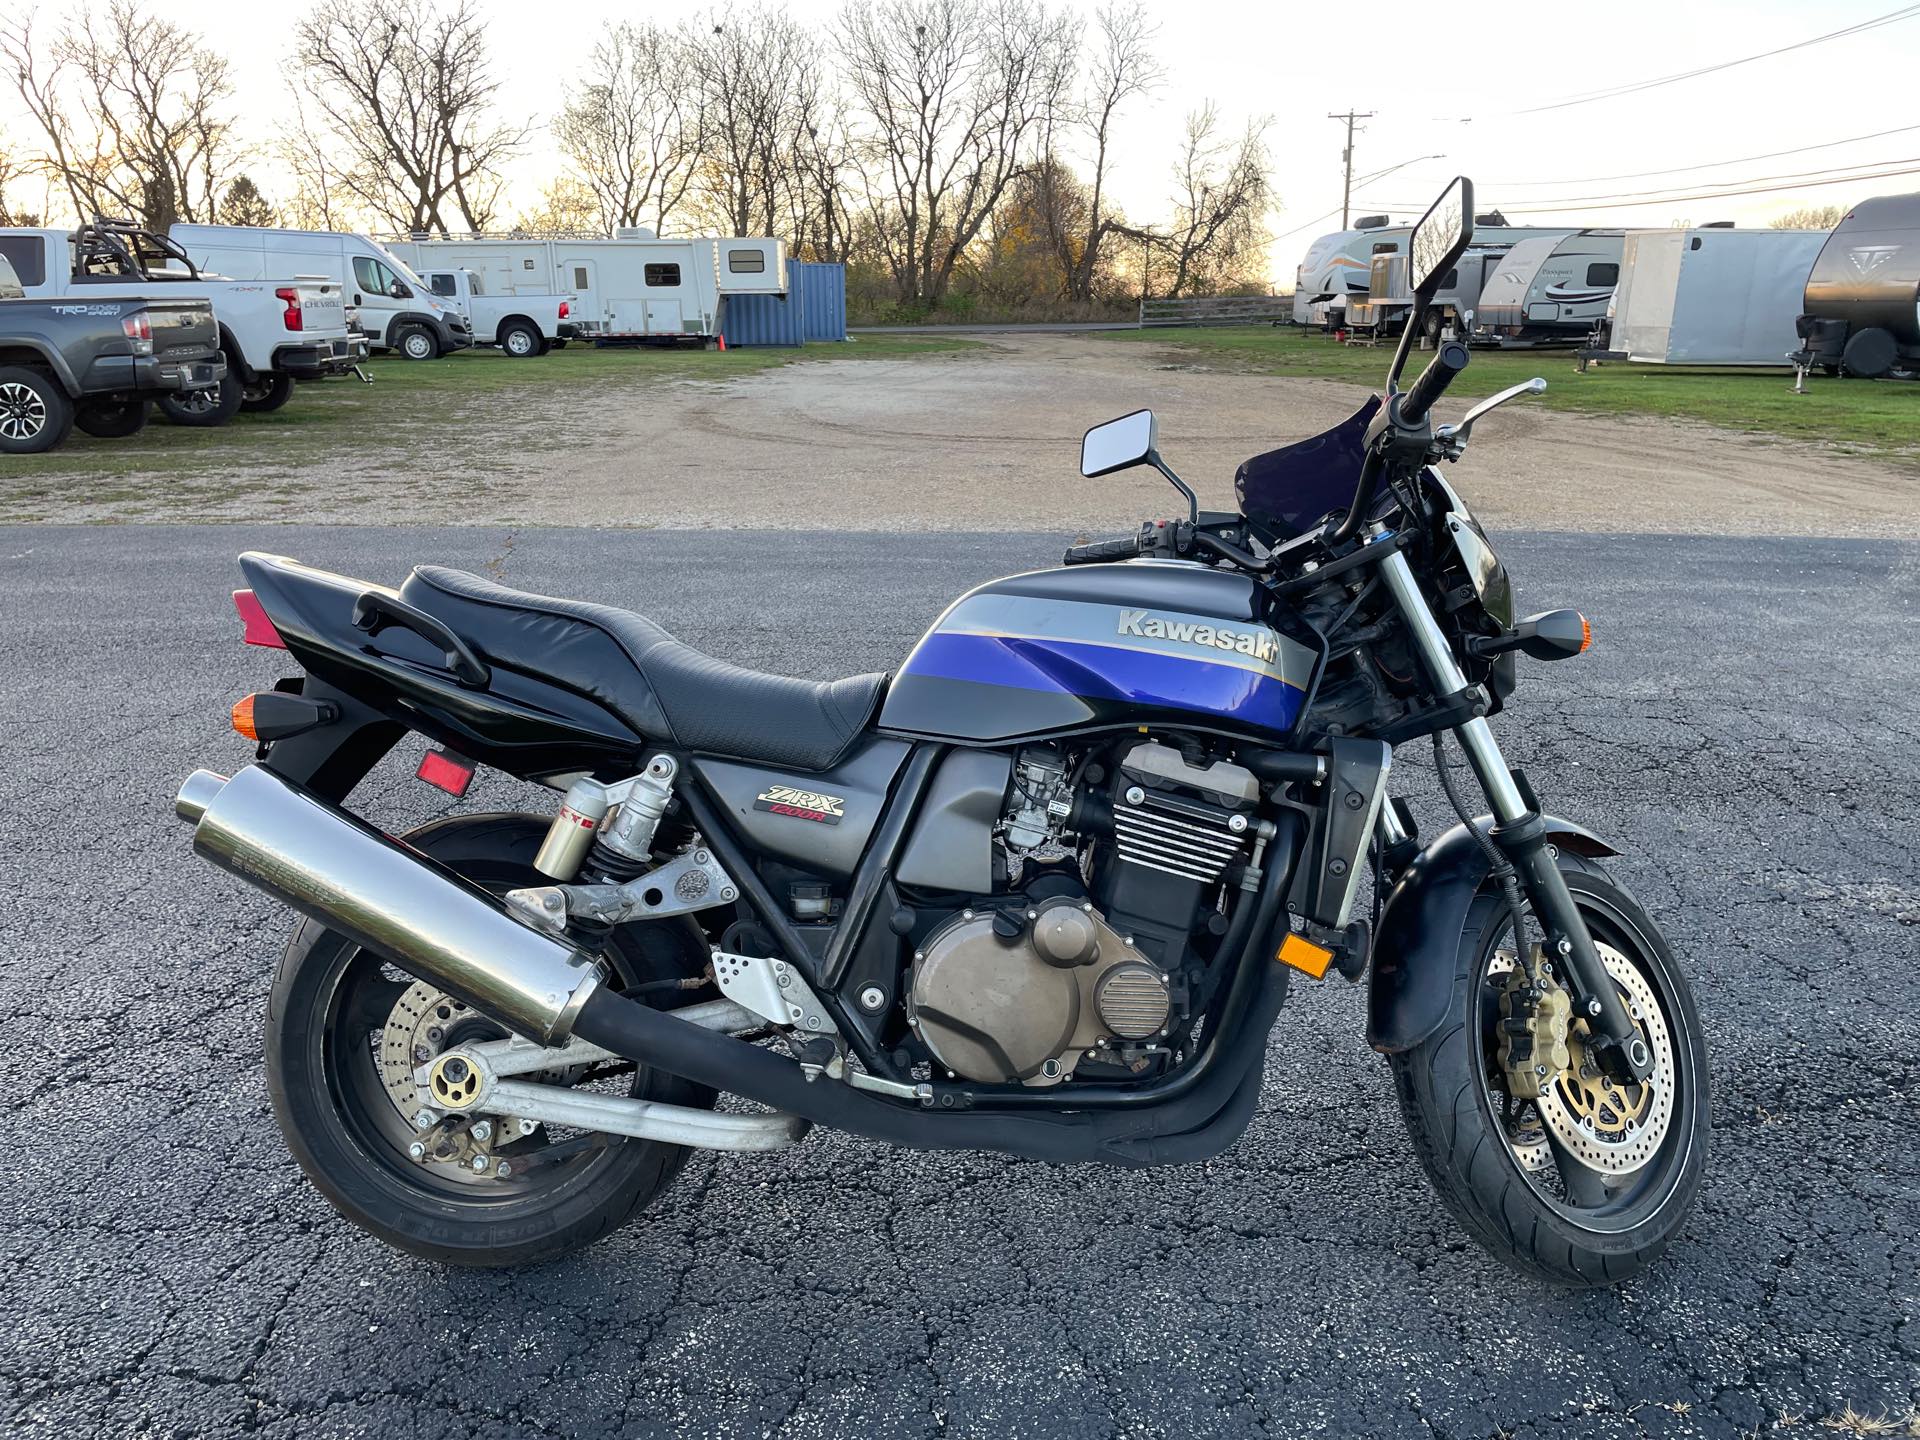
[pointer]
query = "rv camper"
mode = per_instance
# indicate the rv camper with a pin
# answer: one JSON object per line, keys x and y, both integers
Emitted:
{"x": 1862, "y": 308}
{"x": 1712, "y": 296}
{"x": 1549, "y": 290}
{"x": 1339, "y": 266}
{"x": 631, "y": 288}
{"x": 1390, "y": 298}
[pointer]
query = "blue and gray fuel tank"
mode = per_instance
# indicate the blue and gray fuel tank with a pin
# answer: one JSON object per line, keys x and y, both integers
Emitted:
{"x": 1146, "y": 642}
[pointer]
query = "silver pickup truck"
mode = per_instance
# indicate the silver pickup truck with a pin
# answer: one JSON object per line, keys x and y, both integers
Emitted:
{"x": 96, "y": 362}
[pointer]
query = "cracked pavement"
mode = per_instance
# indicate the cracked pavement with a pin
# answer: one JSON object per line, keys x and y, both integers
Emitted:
{"x": 1745, "y": 730}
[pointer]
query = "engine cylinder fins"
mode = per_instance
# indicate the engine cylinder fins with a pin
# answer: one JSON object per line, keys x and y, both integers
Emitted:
{"x": 1133, "y": 1000}
{"x": 1149, "y": 835}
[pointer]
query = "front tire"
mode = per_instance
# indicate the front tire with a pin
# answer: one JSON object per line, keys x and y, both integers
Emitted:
{"x": 111, "y": 419}
{"x": 1511, "y": 1172}
{"x": 416, "y": 343}
{"x": 330, "y": 1014}
{"x": 204, "y": 409}
{"x": 266, "y": 394}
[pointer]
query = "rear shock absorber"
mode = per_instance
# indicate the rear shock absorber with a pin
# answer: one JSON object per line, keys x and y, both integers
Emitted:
{"x": 605, "y": 832}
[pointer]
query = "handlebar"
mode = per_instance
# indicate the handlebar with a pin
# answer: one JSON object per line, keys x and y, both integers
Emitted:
{"x": 1448, "y": 361}
{"x": 1097, "y": 551}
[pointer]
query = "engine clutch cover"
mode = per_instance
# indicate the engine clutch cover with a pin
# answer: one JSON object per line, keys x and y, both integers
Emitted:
{"x": 999, "y": 1010}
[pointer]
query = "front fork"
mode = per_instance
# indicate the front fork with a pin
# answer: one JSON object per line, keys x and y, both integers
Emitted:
{"x": 1520, "y": 832}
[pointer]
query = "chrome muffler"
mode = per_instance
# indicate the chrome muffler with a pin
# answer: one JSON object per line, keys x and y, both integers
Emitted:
{"x": 335, "y": 868}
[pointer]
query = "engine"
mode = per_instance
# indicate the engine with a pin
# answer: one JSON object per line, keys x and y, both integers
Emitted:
{"x": 1106, "y": 867}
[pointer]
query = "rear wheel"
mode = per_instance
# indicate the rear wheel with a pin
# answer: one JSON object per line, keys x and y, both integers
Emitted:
{"x": 1587, "y": 1183}
{"x": 112, "y": 419}
{"x": 266, "y": 394}
{"x": 204, "y": 408}
{"x": 344, "y": 1032}
{"x": 35, "y": 413}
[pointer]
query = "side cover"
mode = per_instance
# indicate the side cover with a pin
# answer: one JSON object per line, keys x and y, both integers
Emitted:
{"x": 1061, "y": 650}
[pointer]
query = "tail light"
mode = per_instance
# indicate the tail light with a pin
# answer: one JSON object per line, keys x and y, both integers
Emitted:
{"x": 255, "y": 627}
{"x": 138, "y": 329}
{"x": 292, "y": 317}
{"x": 565, "y": 309}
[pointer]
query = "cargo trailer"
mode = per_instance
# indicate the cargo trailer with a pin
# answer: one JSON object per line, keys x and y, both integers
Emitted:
{"x": 1710, "y": 296}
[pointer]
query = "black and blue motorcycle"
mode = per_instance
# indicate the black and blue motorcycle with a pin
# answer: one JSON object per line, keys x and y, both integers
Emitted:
{"x": 1040, "y": 892}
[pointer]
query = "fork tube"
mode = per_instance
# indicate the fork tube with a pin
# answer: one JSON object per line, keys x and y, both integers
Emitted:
{"x": 1476, "y": 736}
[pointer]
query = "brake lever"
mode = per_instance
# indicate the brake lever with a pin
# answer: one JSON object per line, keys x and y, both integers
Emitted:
{"x": 1451, "y": 440}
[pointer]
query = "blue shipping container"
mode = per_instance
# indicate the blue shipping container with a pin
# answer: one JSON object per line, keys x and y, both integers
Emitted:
{"x": 814, "y": 308}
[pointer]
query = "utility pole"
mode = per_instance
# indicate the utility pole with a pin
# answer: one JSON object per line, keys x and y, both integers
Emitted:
{"x": 1346, "y": 159}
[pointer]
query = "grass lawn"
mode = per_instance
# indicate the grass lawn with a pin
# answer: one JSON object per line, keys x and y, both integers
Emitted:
{"x": 436, "y": 410}
{"x": 1879, "y": 418}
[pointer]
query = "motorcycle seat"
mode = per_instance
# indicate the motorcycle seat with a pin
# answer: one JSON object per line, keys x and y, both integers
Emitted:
{"x": 658, "y": 685}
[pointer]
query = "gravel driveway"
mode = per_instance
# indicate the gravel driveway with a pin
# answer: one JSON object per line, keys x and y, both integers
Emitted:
{"x": 1745, "y": 730}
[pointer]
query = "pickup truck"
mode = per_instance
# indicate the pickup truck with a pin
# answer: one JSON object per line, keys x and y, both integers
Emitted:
{"x": 521, "y": 325}
{"x": 96, "y": 362}
{"x": 272, "y": 332}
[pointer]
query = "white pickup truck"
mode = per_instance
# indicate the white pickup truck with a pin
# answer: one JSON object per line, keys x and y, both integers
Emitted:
{"x": 521, "y": 325}
{"x": 272, "y": 332}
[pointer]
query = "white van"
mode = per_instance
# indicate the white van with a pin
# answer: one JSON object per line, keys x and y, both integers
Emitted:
{"x": 396, "y": 307}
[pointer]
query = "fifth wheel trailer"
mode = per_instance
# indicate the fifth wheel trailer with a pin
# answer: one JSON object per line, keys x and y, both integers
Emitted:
{"x": 629, "y": 287}
{"x": 1712, "y": 296}
{"x": 1862, "y": 308}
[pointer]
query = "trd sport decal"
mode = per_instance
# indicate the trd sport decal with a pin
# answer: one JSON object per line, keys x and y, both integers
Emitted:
{"x": 802, "y": 804}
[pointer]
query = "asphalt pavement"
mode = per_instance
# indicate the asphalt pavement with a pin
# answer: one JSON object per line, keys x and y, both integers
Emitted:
{"x": 1745, "y": 729}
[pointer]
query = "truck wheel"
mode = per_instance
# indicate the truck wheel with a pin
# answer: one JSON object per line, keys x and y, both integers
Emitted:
{"x": 267, "y": 394}
{"x": 416, "y": 343}
{"x": 519, "y": 340}
{"x": 112, "y": 419}
{"x": 35, "y": 413}
{"x": 205, "y": 409}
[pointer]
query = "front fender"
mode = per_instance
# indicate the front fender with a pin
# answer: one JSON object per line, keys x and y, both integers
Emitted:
{"x": 1415, "y": 952}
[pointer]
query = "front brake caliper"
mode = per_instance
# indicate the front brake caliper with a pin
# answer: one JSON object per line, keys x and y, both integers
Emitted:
{"x": 1535, "y": 1014}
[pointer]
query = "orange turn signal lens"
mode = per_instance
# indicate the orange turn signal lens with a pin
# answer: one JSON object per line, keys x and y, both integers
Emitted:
{"x": 1586, "y": 636}
{"x": 1305, "y": 956}
{"x": 243, "y": 718}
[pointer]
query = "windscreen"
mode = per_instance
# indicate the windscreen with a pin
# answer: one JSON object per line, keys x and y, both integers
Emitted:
{"x": 1285, "y": 492}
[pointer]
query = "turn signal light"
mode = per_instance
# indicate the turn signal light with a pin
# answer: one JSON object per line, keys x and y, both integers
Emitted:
{"x": 1305, "y": 956}
{"x": 243, "y": 717}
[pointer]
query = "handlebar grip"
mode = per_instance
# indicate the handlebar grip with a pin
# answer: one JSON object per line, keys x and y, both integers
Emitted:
{"x": 1448, "y": 361}
{"x": 1099, "y": 550}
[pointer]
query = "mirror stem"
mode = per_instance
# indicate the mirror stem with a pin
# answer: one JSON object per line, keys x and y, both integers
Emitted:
{"x": 1193, "y": 500}
{"x": 1412, "y": 327}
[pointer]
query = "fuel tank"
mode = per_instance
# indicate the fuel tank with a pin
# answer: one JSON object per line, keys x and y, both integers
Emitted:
{"x": 1145, "y": 642}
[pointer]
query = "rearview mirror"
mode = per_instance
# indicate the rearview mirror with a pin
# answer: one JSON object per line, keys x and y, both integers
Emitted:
{"x": 1441, "y": 237}
{"x": 1118, "y": 445}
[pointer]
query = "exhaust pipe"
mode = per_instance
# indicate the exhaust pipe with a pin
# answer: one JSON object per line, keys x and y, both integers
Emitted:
{"x": 388, "y": 898}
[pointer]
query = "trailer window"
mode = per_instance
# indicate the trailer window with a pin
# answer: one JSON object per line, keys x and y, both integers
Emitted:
{"x": 442, "y": 284}
{"x": 663, "y": 274}
{"x": 580, "y": 277}
{"x": 28, "y": 256}
{"x": 1603, "y": 273}
{"x": 746, "y": 262}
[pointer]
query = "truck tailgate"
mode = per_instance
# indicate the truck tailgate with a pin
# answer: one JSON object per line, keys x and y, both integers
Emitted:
{"x": 181, "y": 328}
{"x": 323, "y": 308}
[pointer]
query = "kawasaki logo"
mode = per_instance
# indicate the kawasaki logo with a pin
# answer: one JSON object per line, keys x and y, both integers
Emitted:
{"x": 1259, "y": 645}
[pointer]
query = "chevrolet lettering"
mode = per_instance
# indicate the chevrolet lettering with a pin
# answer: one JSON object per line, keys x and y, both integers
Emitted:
{"x": 1059, "y": 868}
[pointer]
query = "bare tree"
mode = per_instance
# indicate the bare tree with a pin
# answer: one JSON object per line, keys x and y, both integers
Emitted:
{"x": 632, "y": 130}
{"x": 1222, "y": 190}
{"x": 748, "y": 65}
{"x": 1811, "y": 217}
{"x": 316, "y": 202}
{"x": 1123, "y": 67}
{"x": 820, "y": 219}
{"x": 950, "y": 93}
{"x": 134, "y": 112}
{"x": 405, "y": 92}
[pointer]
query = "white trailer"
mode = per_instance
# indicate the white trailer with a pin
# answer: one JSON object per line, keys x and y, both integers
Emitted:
{"x": 1550, "y": 290}
{"x": 1711, "y": 296}
{"x": 1339, "y": 266}
{"x": 631, "y": 287}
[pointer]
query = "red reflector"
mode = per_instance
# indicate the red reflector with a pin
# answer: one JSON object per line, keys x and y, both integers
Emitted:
{"x": 255, "y": 628}
{"x": 446, "y": 771}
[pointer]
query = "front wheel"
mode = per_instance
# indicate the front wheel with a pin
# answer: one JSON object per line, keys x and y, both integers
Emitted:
{"x": 111, "y": 419}
{"x": 1587, "y": 1183}
{"x": 415, "y": 343}
{"x": 266, "y": 394}
{"x": 206, "y": 408}
{"x": 345, "y": 1032}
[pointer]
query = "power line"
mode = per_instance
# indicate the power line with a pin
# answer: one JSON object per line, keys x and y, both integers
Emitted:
{"x": 1703, "y": 165}
{"x": 1786, "y": 181}
{"x": 1906, "y": 12}
{"x": 1547, "y": 207}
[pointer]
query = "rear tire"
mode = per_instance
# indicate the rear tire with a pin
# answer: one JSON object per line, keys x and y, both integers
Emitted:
{"x": 35, "y": 413}
{"x": 204, "y": 409}
{"x": 416, "y": 343}
{"x": 266, "y": 394}
{"x": 1475, "y": 1161}
{"x": 349, "y": 1138}
{"x": 110, "y": 419}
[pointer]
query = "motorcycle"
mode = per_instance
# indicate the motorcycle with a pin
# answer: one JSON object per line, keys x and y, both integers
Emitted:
{"x": 1041, "y": 892}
